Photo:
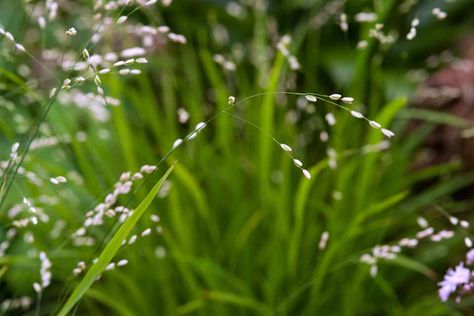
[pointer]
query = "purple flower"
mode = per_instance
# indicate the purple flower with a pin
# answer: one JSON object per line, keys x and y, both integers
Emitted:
{"x": 445, "y": 291}
{"x": 454, "y": 277}
{"x": 470, "y": 257}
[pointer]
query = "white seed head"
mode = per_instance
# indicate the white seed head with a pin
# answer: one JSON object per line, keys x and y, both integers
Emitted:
{"x": 311, "y": 98}
{"x": 347, "y": 100}
{"x": 468, "y": 242}
{"x": 37, "y": 287}
{"x": 306, "y": 174}
{"x": 422, "y": 222}
{"x": 147, "y": 169}
{"x": 453, "y": 220}
{"x": 9, "y": 36}
{"x": 141, "y": 60}
{"x": 200, "y": 126}
{"x": 373, "y": 270}
{"x": 132, "y": 239}
{"x": 20, "y": 48}
{"x": 104, "y": 71}
{"x": 85, "y": 54}
{"x": 146, "y": 232}
{"x": 298, "y": 163}
{"x": 357, "y": 114}
{"x": 15, "y": 147}
{"x": 387, "y": 132}
{"x": 177, "y": 142}
{"x": 374, "y": 124}
{"x": 323, "y": 241}
{"x": 324, "y": 136}
{"x": 121, "y": 19}
{"x": 137, "y": 176}
{"x": 331, "y": 119}
{"x": 285, "y": 147}
{"x": 335, "y": 96}
{"x": 110, "y": 266}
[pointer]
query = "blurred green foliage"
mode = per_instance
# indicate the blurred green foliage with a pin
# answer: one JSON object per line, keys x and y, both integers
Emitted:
{"x": 241, "y": 226}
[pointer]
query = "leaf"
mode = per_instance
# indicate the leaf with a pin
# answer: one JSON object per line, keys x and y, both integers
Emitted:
{"x": 238, "y": 300}
{"x": 111, "y": 248}
{"x": 413, "y": 265}
{"x": 437, "y": 117}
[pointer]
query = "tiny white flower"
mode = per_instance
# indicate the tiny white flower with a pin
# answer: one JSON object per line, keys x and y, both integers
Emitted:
{"x": 335, "y": 96}
{"x": 231, "y": 100}
{"x": 122, "y": 262}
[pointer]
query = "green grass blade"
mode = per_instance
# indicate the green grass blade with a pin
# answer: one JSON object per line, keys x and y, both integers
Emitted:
{"x": 112, "y": 247}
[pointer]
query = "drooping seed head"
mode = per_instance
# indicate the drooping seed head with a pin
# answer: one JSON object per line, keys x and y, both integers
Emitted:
{"x": 311, "y": 98}
{"x": 347, "y": 100}
{"x": 285, "y": 147}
